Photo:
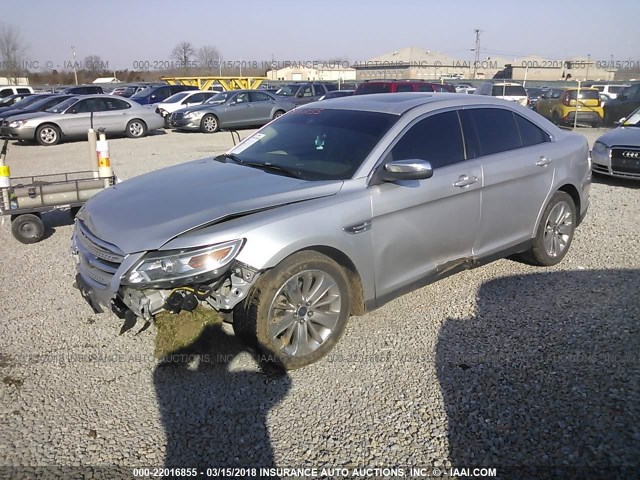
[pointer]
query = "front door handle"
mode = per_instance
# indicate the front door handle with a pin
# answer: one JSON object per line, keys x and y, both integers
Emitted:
{"x": 543, "y": 162}
{"x": 465, "y": 181}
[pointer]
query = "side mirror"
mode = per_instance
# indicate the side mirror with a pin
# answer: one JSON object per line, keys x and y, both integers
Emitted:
{"x": 414, "y": 169}
{"x": 621, "y": 121}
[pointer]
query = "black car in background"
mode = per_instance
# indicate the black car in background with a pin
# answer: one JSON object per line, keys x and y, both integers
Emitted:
{"x": 84, "y": 90}
{"x": 625, "y": 103}
{"x": 158, "y": 93}
{"x": 8, "y": 102}
{"x": 39, "y": 103}
{"x": 534, "y": 93}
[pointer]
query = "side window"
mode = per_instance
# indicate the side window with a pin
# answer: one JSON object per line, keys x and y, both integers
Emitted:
{"x": 24, "y": 90}
{"x": 530, "y": 134}
{"x": 555, "y": 93}
{"x": 6, "y": 93}
{"x": 307, "y": 91}
{"x": 161, "y": 94}
{"x": 437, "y": 139}
{"x": 80, "y": 107}
{"x": 496, "y": 130}
{"x": 319, "y": 89}
{"x": 425, "y": 88}
{"x": 197, "y": 98}
{"x": 404, "y": 87}
{"x": 208, "y": 95}
{"x": 259, "y": 97}
{"x": 114, "y": 104}
{"x": 242, "y": 97}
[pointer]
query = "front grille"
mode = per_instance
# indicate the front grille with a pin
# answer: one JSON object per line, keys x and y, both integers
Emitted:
{"x": 177, "y": 116}
{"x": 599, "y": 168}
{"x": 99, "y": 260}
{"x": 625, "y": 160}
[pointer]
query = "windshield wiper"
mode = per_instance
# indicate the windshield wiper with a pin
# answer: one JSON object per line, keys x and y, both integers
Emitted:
{"x": 262, "y": 166}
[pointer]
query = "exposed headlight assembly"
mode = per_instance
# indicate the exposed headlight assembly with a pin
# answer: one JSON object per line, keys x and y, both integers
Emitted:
{"x": 181, "y": 267}
{"x": 17, "y": 123}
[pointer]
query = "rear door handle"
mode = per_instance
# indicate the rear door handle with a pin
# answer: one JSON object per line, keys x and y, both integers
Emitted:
{"x": 465, "y": 181}
{"x": 543, "y": 162}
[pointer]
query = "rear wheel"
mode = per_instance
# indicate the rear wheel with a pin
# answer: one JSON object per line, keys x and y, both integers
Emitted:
{"x": 278, "y": 113}
{"x": 209, "y": 124}
{"x": 27, "y": 228}
{"x": 555, "y": 232}
{"x": 136, "y": 128}
{"x": 297, "y": 311}
{"x": 48, "y": 135}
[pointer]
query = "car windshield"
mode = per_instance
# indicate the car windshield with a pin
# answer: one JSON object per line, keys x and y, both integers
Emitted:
{"x": 219, "y": 97}
{"x": 508, "y": 91}
{"x": 43, "y": 101}
{"x": 142, "y": 93}
{"x": 317, "y": 143}
{"x": 26, "y": 101}
{"x": 633, "y": 120}
{"x": 62, "y": 106}
{"x": 288, "y": 90}
{"x": 176, "y": 97}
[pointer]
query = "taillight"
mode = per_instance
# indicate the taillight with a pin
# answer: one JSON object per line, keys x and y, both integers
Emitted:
{"x": 565, "y": 99}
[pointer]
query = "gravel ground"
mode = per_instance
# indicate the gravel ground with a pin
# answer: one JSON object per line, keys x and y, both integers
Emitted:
{"x": 504, "y": 365}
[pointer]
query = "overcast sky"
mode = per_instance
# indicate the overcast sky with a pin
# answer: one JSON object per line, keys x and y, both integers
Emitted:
{"x": 122, "y": 32}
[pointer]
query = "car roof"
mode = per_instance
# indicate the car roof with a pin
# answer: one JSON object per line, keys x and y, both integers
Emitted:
{"x": 400, "y": 103}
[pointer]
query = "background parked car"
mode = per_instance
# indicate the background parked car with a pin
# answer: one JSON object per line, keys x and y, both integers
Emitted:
{"x": 301, "y": 93}
{"x": 465, "y": 88}
{"x": 9, "y": 102}
{"x": 73, "y": 117}
{"x": 7, "y": 90}
{"x": 610, "y": 90}
{"x": 533, "y": 93}
{"x": 559, "y": 106}
{"x": 84, "y": 90}
{"x": 40, "y": 103}
{"x": 158, "y": 93}
{"x": 337, "y": 94}
{"x": 625, "y": 103}
{"x": 513, "y": 92}
{"x": 180, "y": 100}
{"x": 236, "y": 108}
{"x": 617, "y": 152}
{"x": 399, "y": 86}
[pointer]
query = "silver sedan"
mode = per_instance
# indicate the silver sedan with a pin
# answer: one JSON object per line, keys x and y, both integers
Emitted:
{"x": 236, "y": 108}
{"x": 73, "y": 117}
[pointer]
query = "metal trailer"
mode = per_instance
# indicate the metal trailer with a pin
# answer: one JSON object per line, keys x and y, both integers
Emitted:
{"x": 28, "y": 197}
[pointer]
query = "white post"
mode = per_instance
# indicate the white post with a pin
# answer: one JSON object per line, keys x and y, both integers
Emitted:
{"x": 575, "y": 119}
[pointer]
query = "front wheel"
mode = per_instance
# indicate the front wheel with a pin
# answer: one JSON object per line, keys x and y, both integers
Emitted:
{"x": 27, "y": 228}
{"x": 297, "y": 311}
{"x": 209, "y": 124}
{"x": 555, "y": 232}
{"x": 278, "y": 113}
{"x": 48, "y": 135}
{"x": 136, "y": 128}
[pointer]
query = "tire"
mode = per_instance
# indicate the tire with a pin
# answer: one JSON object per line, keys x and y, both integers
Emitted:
{"x": 278, "y": 113}
{"x": 554, "y": 233}
{"x": 136, "y": 128}
{"x": 313, "y": 322}
{"x": 47, "y": 135}
{"x": 209, "y": 124}
{"x": 27, "y": 228}
{"x": 166, "y": 122}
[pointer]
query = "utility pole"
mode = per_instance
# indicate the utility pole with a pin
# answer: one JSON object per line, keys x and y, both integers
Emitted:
{"x": 477, "y": 50}
{"x": 75, "y": 72}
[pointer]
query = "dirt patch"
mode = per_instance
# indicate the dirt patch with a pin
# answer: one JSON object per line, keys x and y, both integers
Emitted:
{"x": 5, "y": 360}
{"x": 12, "y": 382}
{"x": 179, "y": 331}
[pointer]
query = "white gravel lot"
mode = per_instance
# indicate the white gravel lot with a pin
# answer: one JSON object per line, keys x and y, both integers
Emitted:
{"x": 504, "y": 365}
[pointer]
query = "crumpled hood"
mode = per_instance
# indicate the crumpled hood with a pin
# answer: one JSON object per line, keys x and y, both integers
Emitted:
{"x": 147, "y": 211}
{"x": 629, "y": 136}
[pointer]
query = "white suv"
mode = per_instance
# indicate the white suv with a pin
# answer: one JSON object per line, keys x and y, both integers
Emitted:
{"x": 610, "y": 91}
{"x": 508, "y": 91}
{"x": 8, "y": 90}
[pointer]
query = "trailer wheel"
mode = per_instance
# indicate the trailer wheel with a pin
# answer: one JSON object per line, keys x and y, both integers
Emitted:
{"x": 27, "y": 228}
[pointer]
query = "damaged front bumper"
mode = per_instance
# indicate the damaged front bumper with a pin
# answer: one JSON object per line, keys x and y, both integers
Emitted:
{"x": 101, "y": 267}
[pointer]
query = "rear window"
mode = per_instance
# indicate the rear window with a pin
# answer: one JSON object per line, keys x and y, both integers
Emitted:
{"x": 508, "y": 91}
{"x": 616, "y": 89}
{"x": 366, "y": 88}
{"x": 585, "y": 94}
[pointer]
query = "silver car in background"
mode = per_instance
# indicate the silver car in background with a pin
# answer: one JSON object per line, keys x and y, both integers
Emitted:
{"x": 74, "y": 116}
{"x": 232, "y": 109}
{"x": 333, "y": 210}
{"x": 617, "y": 152}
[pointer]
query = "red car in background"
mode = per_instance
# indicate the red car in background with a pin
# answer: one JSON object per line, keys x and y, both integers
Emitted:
{"x": 396, "y": 86}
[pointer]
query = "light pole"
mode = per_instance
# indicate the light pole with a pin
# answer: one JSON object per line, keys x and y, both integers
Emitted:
{"x": 75, "y": 73}
{"x": 477, "y": 50}
{"x": 586, "y": 76}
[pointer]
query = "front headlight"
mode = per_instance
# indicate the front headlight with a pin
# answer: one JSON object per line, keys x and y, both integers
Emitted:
{"x": 196, "y": 114}
{"x": 600, "y": 149}
{"x": 17, "y": 123}
{"x": 183, "y": 266}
